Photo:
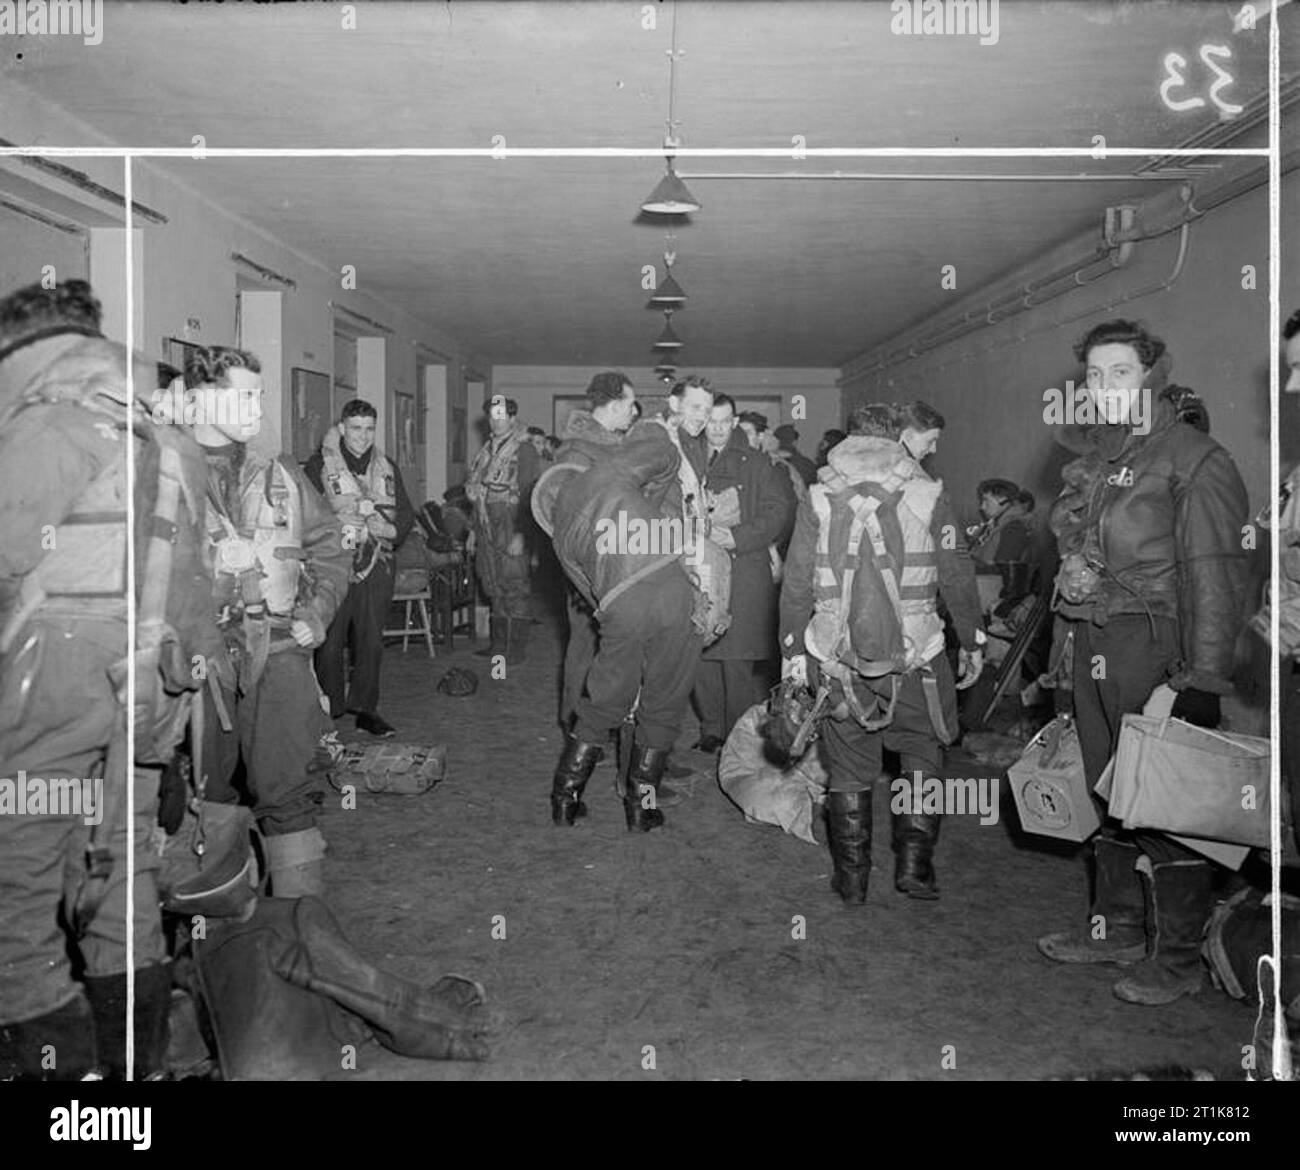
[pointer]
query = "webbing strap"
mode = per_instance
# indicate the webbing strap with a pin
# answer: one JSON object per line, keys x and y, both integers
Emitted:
{"x": 933, "y": 704}
{"x": 640, "y": 575}
{"x": 118, "y": 773}
{"x": 219, "y": 703}
{"x": 888, "y": 571}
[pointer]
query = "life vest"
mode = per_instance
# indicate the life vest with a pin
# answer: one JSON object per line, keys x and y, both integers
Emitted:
{"x": 708, "y": 565}
{"x": 85, "y": 573}
{"x": 346, "y": 492}
{"x": 694, "y": 506}
{"x": 876, "y": 575}
{"x": 257, "y": 554}
{"x": 494, "y": 476}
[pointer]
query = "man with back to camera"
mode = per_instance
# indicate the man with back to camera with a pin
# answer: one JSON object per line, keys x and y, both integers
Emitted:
{"x": 912, "y": 708}
{"x": 611, "y": 400}
{"x": 65, "y": 418}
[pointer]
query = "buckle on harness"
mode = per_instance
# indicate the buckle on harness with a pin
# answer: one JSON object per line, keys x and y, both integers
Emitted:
{"x": 99, "y": 862}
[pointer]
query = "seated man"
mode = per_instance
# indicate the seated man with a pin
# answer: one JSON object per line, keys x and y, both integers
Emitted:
{"x": 1006, "y": 541}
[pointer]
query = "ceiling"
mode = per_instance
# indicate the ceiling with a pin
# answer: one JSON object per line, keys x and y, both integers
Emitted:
{"x": 538, "y": 261}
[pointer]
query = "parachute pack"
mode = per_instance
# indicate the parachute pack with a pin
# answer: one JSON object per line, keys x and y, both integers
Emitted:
{"x": 875, "y": 585}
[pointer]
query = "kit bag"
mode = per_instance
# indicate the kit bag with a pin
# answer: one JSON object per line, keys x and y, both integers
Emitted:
{"x": 1171, "y": 775}
{"x": 1240, "y": 933}
{"x": 761, "y": 788}
{"x": 407, "y": 769}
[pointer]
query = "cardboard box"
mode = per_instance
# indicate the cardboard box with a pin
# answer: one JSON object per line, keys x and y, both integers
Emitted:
{"x": 1049, "y": 788}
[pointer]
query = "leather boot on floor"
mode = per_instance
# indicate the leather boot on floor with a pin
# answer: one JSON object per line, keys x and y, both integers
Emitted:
{"x": 153, "y": 1001}
{"x": 58, "y": 1046}
{"x": 915, "y": 836}
{"x": 1180, "y": 894}
{"x": 571, "y": 775}
{"x": 641, "y": 797}
{"x": 497, "y": 641}
{"x": 442, "y": 1022}
{"x": 295, "y": 863}
{"x": 516, "y": 643}
{"x": 1116, "y": 931}
{"x": 848, "y": 833}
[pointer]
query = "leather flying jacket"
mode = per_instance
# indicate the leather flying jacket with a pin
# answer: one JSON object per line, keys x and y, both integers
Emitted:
{"x": 596, "y": 500}
{"x": 1163, "y": 514}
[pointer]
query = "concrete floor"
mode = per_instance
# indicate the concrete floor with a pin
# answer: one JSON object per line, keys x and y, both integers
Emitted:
{"x": 676, "y": 949}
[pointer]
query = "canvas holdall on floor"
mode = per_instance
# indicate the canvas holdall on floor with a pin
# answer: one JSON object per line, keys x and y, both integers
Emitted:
{"x": 1240, "y": 933}
{"x": 1171, "y": 775}
{"x": 407, "y": 769}
{"x": 762, "y": 789}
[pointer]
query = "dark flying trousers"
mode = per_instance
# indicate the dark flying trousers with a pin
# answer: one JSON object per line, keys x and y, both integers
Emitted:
{"x": 647, "y": 642}
{"x": 58, "y": 727}
{"x": 725, "y": 688}
{"x": 276, "y": 727}
{"x": 579, "y": 653}
{"x": 1134, "y": 664}
{"x": 364, "y": 609}
{"x": 852, "y": 754}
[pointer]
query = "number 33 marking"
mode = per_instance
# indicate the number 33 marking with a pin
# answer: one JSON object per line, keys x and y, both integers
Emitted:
{"x": 1175, "y": 62}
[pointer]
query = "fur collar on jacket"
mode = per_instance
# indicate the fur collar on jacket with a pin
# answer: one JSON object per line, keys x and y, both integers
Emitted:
{"x": 866, "y": 458}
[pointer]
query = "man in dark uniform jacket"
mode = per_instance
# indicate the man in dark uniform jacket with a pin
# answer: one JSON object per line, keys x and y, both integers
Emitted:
{"x": 753, "y": 512}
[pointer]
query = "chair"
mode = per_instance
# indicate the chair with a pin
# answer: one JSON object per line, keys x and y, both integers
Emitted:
{"x": 451, "y": 577}
{"x": 412, "y": 587}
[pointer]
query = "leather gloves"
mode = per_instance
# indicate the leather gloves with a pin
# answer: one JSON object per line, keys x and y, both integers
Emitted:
{"x": 1198, "y": 707}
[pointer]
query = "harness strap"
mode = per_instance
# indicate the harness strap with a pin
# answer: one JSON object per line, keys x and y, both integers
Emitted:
{"x": 640, "y": 575}
{"x": 933, "y": 704}
{"x": 93, "y": 889}
{"x": 219, "y": 702}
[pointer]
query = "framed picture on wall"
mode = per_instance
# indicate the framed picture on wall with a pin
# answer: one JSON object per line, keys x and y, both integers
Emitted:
{"x": 562, "y": 405}
{"x": 310, "y": 402}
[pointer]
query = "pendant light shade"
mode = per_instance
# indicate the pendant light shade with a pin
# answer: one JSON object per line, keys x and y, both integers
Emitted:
{"x": 669, "y": 293}
{"x": 671, "y": 197}
{"x": 668, "y": 339}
